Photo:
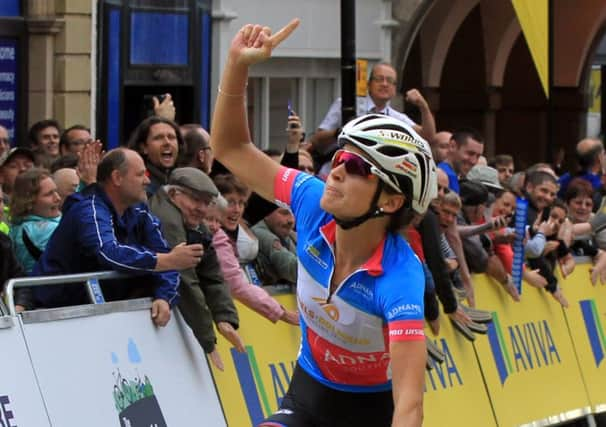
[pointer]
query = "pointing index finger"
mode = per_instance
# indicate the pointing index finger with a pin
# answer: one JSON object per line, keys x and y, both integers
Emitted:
{"x": 281, "y": 35}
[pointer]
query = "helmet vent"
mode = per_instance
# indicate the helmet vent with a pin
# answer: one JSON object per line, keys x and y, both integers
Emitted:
{"x": 364, "y": 141}
{"x": 387, "y": 126}
{"x": 391, "y": 151}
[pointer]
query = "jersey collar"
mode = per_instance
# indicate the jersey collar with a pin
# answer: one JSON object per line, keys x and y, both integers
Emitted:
{"x": 374, "y": 264}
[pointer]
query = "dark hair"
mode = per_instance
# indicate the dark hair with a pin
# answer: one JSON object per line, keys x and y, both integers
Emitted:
{"x": 193, "y": 142}
{"x": 66, "y": 161}
{"x": 37, "y": 127}
{"x": 25, "y": 192}
{"x": 578, "y": 187}
{"x": 64, "y": 136}
{"x": 141, "y": 132}
{"x": 461, "y": 136}
{"x": 587, "y": 159}
{"x": 473, "y": 193}
{"x": 114, "y": 160}
{"x": 502, "y": 159}
{"x": 538, "y": 177}
{"x": 228, "y": 183}
{"x": 558, "y": 203}
{"x": 272, "y": 152}
{"x": 403, "y": 216}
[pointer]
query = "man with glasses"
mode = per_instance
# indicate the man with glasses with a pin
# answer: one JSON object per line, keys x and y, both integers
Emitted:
{"x": 381, "y": 90}
{"x": 74, "y": 139}
{"x": 196, "y": 150}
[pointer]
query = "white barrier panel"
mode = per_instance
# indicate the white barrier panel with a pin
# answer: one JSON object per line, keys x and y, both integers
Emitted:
{"x": 114, "y": 368}
{"x": 20, "y": 400}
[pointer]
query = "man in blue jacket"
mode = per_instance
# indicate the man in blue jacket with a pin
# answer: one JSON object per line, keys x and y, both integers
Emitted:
{"x": 109, "y": 227}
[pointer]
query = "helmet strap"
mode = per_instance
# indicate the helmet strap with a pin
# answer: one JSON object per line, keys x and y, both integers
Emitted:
{"x": 373, "y": 212}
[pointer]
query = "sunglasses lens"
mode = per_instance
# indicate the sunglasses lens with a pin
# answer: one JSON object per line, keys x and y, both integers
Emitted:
{"x": 354, "y": 164}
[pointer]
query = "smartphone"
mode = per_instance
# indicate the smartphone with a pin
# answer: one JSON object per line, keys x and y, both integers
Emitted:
{"x": 291, "y": 113}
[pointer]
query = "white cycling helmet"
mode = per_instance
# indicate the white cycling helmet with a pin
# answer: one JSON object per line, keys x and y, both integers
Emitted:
{"x": 403, "y": 158}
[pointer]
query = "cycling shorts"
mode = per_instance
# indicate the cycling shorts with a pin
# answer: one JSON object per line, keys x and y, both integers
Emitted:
{"x": 309, "y": 403}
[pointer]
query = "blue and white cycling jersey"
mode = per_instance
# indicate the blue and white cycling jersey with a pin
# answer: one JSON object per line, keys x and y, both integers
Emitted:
{"x": 345, "y": 339}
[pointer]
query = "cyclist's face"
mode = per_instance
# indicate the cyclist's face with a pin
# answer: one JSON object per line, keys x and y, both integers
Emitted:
{"x": 348, "y": 195}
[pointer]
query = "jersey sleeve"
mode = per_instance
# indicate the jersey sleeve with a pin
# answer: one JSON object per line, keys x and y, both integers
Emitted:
{"x": 300, "y": 192}
{"x": 402, "y": 302}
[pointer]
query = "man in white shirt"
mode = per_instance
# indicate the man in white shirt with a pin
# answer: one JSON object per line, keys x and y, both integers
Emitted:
{"x": 381, "y": 89}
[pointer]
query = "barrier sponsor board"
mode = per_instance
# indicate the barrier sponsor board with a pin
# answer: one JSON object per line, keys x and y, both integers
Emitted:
{"x": 117, "y": 369}
{"x": 20, "y": 400}
{"x": 528, "y": 357}
{"x": 253, "y": 383}
{"x": 454, "y": 390}
{"x": 586, "y": 318}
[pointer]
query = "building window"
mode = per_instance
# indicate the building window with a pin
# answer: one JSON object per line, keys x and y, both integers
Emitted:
{"x": 267, "y": 106}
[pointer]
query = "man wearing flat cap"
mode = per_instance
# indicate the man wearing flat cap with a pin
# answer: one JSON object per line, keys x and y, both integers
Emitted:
{"x": 181, "y": 206}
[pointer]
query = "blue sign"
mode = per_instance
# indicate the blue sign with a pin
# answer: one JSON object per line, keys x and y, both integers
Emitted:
{"x": 518, "y": 245}
{"x": 8, "y": 85}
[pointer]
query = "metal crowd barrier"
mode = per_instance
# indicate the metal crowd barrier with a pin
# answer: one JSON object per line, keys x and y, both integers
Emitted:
{"x": 101, "y": 364}
{"x": 91, "y": 281}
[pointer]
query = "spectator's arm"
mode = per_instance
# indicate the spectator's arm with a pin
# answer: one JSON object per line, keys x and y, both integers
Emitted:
{"x": 535, "y": 246}
{"x": 326, "y": 135}
{"x": 98, "y": 238}
{"x": 429, "y": 229}
{"x": 254, "y": 297}
{"x": 215, "y": 291}
{"x": 454, "y": 239}
{"x": 427, "y": 129}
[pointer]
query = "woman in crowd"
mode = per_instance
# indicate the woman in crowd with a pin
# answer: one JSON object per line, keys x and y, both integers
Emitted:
{"x": 579, "y": 199}
{"x": 360, "y": 287}
{"x": 254, "y": 297}
{"x": 243, "y": 240}
{"x": 35, "y": 213}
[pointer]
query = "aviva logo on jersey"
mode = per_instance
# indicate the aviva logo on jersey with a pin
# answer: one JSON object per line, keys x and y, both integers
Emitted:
{"x": 261, "y": 397}
{"x": 595, "y": 331}
{"x": 521, "y": 347}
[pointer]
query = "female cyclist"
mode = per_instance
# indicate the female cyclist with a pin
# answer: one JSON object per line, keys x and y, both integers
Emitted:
{"x": 360, "y": 287}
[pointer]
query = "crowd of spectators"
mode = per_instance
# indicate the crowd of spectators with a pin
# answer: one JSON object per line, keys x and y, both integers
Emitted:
{"x": 191, "y": 235}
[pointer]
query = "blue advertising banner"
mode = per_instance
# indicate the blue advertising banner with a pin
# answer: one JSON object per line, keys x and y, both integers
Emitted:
{"x": 8, "y": 85}
{"x": 518, "y": 245}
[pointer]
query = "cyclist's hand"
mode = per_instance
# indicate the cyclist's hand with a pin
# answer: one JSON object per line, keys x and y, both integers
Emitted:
{"x": 254, "y": 43}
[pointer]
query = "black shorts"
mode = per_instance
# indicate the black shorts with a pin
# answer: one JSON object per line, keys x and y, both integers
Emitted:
{"x": 311, "y": 404}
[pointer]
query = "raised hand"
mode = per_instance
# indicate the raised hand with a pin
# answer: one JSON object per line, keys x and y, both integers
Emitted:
{"x": 254, "y": 43}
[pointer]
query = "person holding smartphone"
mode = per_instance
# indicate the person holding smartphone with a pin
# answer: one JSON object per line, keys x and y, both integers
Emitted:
{"x": 181, "y": 206}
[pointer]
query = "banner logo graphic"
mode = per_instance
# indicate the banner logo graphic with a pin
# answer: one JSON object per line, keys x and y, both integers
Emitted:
{"x": 521, "y": 347}
{"x": 595, "y": 331}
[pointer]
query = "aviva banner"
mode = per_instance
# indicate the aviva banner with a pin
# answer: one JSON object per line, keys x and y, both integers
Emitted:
{"x": 528, "y": 356}
{"x": 455, "y": 394}
{"x": 253, "y": 384}
{"x": 587, "y": 320}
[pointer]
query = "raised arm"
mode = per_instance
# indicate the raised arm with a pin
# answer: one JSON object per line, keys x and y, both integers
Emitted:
{"x": 231, "y": 142}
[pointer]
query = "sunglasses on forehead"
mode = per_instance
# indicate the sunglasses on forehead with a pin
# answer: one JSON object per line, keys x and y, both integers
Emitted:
{"x": 357, "y": 165}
